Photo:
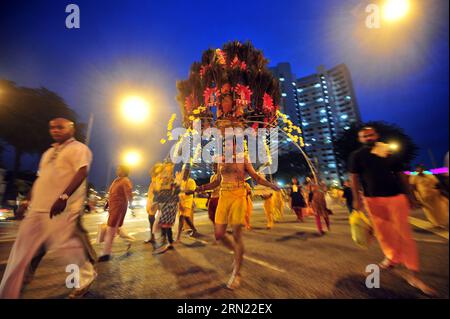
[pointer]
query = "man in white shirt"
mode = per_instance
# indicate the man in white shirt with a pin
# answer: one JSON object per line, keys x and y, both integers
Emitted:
{"x": 52, "y": 222}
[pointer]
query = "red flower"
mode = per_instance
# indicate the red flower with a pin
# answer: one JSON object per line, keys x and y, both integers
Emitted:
{"x": 267, "y": 103}
{"x": 203, "y": 69}
{"x": 243, "y": 94}
{"x": 221, "y": 57}
{"x": 210, "y": 96}
{"x": 235, "y": 63}
{"x": 188, "y": 104}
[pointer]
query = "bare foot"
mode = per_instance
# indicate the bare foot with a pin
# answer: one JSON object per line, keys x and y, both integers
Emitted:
{"x": 386, "y": 264}
{"x": 415, "y": 282}
{"x": 234, "y": 282}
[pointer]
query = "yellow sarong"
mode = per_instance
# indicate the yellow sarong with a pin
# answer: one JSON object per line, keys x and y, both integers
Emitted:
{"x": 232, "y": 205}
{"x": 278, "y": 204}
{"x": 269, "y": 210}
{"x": 434, "y": 204}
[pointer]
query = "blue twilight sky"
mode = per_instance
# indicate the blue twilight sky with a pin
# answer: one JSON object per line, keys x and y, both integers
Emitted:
{"x": 400, "y": 70}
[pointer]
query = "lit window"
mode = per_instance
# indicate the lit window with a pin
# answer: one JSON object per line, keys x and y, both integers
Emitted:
{"x": 344, "y": 116}
{"x": 294, "y": 84}
{"x": 305, "y": 123}
{"x": 325, "y": 91}
{"x": 319, "y": 99}
{"x": 322, "y": 111}
{"x": 323, "y": 120}
{"x": 302, "y": 104}
{"x": 299, "y": 90}
{"x": 282, "y": 79}
{"x": 317, "y": 85}
{"x": 283, "y": 94}
{"x": 313, "y": 139}
{"x": 348, "y": 97}
{"x": 347, "y": 128}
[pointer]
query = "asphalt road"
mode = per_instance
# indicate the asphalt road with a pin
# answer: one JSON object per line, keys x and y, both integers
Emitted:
{"x": 289, "y": 261}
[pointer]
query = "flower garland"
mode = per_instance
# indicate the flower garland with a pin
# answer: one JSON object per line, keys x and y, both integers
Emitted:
{"x": 292, "y": 131}
{"x": 169, "y": 129}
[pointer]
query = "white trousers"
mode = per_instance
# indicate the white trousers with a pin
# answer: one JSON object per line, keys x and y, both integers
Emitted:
{"x": 110, "y": 234}
{"x": 57, "y": 236}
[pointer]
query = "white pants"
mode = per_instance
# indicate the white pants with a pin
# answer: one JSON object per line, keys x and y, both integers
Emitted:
{"x": 110, "y": 234}
{"x": 58, "y": 236}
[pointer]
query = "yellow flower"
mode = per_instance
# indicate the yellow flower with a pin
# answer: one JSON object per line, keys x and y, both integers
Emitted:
{"x": 162, "y": 141}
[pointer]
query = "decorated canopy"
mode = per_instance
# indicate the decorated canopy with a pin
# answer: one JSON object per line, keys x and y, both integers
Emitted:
{"x": 230, "y": 85}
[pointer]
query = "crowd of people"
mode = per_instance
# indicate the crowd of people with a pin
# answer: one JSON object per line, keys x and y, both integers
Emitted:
{"x": 52, "y": 222}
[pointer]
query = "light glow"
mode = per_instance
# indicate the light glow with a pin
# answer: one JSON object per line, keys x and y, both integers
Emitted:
{"x": 135, "y": 109}
{"x": 394, "y": 10}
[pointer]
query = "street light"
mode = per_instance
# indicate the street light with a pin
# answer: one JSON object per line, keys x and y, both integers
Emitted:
{"x": 135, "y": 109}
{"x": 131, "y": 158}
{"x": 395, "y": 9}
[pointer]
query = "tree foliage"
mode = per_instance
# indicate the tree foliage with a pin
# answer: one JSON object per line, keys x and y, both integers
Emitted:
{"x": 24, "y": 116}
{"x": 389, "y": 133}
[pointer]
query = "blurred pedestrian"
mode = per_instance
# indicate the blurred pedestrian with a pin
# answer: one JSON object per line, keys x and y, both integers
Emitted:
{"x": 298, "y": 203}
{"x": 278, "y": 202}
{"x": 120, "y": 197}
{"x": 186, "y": 205}
{"x": 249, "y": 211}
{"x": 53, "y": 220}
{"x": 348, "y": 196}
{"x": 388, "y": 200}
{"x": 167, "y": 200}
{"x": 318, "y": 204}
{"x": 213, "y": 198}
{"x": 268, "y": 208}
{"x": 151, "y": 208}
{"x": 434, "y": 204}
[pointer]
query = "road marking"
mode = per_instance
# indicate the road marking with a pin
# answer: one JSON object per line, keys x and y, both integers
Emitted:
{"x": 254, "y": 260}
{"x": 7, "y": 240}
{"x": 308, "y": 228}
{"x": 420, "y": 223}
{"x": 264, "y": 264}
{"x": 434, "y": 241}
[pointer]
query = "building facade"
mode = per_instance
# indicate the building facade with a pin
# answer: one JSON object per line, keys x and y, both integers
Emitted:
{"x": 327, "y": 107}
